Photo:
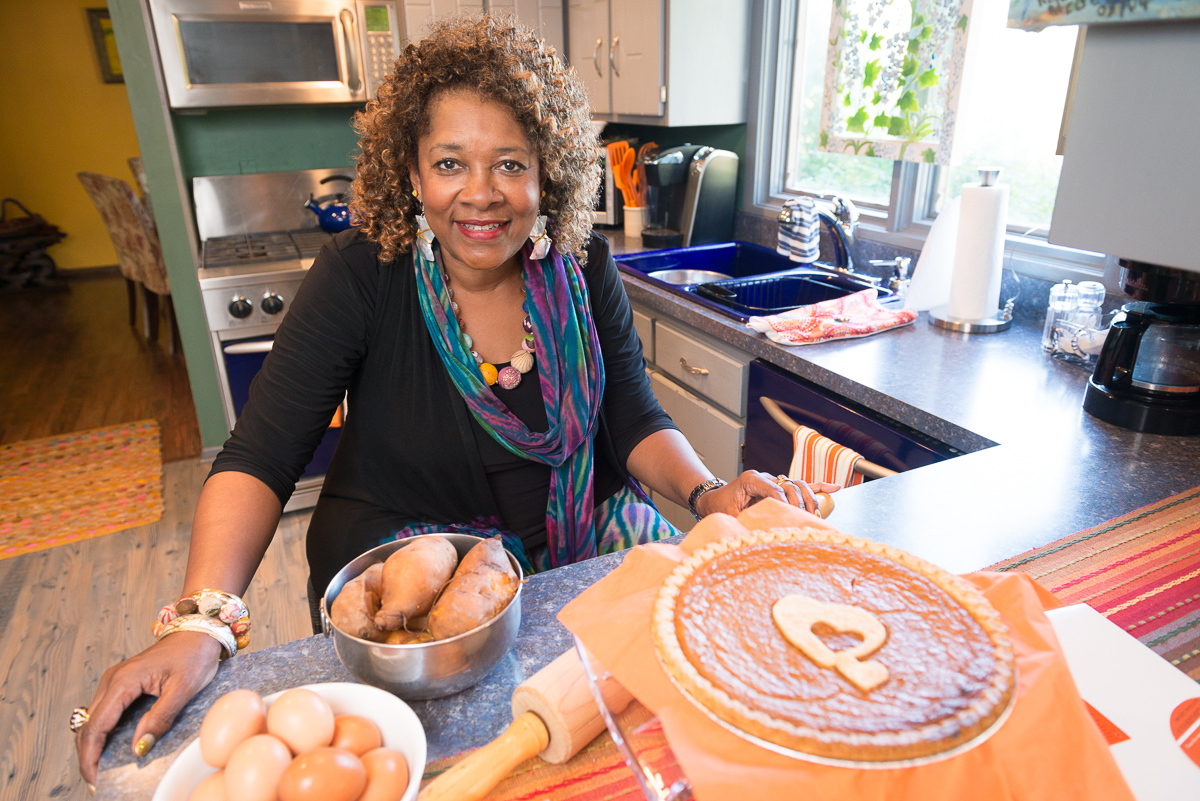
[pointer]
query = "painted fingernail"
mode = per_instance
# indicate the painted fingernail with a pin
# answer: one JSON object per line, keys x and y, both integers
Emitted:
{"x": 91, "y": 789}
{"x": 144, "y": 745}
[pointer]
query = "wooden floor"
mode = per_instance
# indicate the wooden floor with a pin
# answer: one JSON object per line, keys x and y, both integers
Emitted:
{"x": 69, "y": 361}
{"x": 68, "y": 613}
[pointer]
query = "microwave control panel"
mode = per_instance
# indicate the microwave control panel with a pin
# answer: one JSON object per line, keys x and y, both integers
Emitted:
{"x": 381, "y": 43}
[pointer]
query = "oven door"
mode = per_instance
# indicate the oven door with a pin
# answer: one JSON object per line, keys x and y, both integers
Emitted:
{"x": 242, "y": 359}
{"x": 779, "y": 401}
{"x": 271, "y": 52}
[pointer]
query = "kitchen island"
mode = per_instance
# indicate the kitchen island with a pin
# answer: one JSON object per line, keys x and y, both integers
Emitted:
{"x": 1036, "y": 468}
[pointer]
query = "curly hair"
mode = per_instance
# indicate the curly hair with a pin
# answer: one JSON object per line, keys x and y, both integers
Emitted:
{"x": 500, "y": 60}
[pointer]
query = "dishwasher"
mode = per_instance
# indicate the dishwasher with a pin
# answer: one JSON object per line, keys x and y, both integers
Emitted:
{"x": 779, "y": 401}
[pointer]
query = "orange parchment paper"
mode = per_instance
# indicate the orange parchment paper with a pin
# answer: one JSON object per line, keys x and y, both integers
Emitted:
{"x": 1049, "y": 748}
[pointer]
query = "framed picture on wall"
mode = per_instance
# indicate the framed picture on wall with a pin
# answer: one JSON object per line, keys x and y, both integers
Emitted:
{"x": 106, "y": 45}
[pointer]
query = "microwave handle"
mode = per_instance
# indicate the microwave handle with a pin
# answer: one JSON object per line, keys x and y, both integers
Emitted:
{"x": 350, "y": 38}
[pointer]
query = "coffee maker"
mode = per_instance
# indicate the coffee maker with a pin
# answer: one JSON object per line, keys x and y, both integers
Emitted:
{"x": 690, "y": 196}
{"x": 1147, "y": 377}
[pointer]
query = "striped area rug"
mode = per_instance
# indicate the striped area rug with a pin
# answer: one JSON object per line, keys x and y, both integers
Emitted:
{"x": 1141, "y": 571}
{"x": 58, "y": 490}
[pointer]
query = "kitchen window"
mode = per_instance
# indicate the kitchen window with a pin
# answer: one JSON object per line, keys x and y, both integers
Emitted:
{"x": 1010, "y": 113}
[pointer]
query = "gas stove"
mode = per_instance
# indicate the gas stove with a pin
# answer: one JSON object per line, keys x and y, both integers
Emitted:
{"x": 249, "y": 280}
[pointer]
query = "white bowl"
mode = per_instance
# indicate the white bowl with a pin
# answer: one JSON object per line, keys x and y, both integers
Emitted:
{"x": 399, "y": 725}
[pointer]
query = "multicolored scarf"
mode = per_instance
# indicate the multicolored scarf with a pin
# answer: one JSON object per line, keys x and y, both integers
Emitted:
{"x": 572, "y": 378}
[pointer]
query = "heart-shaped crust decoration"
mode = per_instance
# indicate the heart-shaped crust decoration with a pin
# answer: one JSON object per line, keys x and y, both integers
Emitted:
{"x": 795, "y": 615}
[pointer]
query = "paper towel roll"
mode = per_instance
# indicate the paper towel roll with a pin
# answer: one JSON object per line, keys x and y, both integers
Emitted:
{"x": 930, "y": 285}
{"x": 979, "y": 252}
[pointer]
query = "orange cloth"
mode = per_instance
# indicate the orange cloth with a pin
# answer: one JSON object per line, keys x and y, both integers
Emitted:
{"x": 817, "y": 458}
{"x": 1049, "y": 748}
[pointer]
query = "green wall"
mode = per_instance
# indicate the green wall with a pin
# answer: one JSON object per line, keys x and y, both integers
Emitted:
{"x": 271, "y": 139}
{"x": 170, "y": 214}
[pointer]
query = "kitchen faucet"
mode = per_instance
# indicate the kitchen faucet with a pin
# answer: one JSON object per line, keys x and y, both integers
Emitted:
{"x": 842, "y": 220}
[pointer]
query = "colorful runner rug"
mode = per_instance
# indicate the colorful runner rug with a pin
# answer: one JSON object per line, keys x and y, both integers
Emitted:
{"x": 1141, "y": 571}
{"x": 64, "y": 489}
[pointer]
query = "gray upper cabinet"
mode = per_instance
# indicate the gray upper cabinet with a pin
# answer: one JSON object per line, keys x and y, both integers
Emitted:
{"x": 544, "y": 16}
{"x": 662, "y": 62}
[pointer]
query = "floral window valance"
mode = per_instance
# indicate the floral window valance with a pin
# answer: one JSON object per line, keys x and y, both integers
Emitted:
{"x": 892, "y": 78}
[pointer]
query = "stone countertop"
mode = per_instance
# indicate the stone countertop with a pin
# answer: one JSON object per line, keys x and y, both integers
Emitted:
{"x": 1037, "y": 466}
{"x": 460, "y": 722}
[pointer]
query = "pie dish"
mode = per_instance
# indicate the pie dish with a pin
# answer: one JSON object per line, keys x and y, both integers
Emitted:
{"x": 917, "y": 663}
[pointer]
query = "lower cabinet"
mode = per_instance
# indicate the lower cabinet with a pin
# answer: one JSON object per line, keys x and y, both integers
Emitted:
{"x": 699, "y": 405}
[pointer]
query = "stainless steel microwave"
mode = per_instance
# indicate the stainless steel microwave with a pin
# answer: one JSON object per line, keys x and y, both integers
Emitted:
{"x": 274, "y": 52}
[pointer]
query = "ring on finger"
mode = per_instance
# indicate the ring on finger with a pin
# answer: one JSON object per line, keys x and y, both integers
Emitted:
{"x": 781, "y": 480}
{"x": 79, "y": 716}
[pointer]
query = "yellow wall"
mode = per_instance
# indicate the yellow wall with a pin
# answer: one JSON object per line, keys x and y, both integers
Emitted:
{"x": 57, "y": 117}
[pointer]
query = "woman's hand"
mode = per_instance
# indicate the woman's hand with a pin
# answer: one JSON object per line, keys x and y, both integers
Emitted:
{"x": 174, "y": 669}
{"x": 752, "y": 486}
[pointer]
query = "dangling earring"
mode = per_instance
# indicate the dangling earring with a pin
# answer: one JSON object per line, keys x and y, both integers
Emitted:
{"x": 539, "y": 238}
{"x": 424, "y": 241}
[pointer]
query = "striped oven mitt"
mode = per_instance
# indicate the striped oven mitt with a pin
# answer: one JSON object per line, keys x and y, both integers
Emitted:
{"x": 799, "y": 230}
{"x": 819, "y": 459}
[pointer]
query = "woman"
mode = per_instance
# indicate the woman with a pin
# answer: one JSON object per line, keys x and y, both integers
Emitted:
{"x": 496, "y": 383}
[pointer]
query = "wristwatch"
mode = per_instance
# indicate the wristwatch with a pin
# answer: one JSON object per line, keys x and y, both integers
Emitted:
{"x": 701, "y": 488}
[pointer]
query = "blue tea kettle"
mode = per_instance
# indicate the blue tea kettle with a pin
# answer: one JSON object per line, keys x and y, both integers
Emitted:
{"x": 333, "y": 214}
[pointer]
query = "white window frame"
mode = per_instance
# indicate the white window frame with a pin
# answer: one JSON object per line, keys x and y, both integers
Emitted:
{"x": 906, "y": 220}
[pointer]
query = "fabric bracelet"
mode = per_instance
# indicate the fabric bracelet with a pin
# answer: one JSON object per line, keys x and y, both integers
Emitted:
{"x": 219, "y": 605}
{"x": 206, "y": 625}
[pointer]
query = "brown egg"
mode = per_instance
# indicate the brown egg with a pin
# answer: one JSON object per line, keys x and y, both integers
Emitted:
{"x": 236, "y": 716}
{"x": 323, "y": 774}
{"x": 387, "y": 775}
{"x": 254, "y": 768}
{"x": 355, "y": 734}
{"x": 302, "y": 719}
{"x": 212, "y": 788}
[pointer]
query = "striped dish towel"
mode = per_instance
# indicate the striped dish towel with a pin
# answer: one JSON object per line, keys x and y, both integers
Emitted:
{"x": 799, "y": 230}
{"x": 820, "y": 459}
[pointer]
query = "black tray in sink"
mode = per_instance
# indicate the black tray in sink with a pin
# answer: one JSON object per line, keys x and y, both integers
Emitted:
{"x": 772, "y": 294}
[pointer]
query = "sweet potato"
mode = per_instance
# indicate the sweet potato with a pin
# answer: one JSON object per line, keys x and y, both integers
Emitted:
{"x": 412, "y": 578}
{"x": 403, "y": 637}
{"x": 354, "y": 608}
{"x": 482, "y": 586}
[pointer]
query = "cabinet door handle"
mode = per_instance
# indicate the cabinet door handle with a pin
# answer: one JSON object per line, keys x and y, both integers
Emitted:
{"x": 612, "y": 62}
{"x": 693, "y": 370}
{"x": 596, "y": 56}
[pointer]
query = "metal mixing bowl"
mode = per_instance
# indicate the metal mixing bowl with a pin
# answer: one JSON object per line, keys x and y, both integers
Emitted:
{"x": 686, "y": 277}
{"x": 430, "y": 669}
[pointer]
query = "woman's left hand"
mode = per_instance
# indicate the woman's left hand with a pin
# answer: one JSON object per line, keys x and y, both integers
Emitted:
{"x": 752, "y": 486}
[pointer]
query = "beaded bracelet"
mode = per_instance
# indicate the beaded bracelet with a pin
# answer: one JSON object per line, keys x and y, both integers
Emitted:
{"x": 216, "y": 604}
{"x": 206, "y": 625}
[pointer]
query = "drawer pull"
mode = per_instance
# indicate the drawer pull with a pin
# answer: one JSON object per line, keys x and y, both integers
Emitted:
{"x": 693, "y": 370}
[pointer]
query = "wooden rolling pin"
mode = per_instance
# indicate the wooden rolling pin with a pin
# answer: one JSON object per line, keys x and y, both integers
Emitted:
{"x": 554, "y": 717}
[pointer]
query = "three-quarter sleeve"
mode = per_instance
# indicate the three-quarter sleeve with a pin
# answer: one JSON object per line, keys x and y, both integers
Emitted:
{"x": 631, "y": 411}
{"x": 317, "y": 349}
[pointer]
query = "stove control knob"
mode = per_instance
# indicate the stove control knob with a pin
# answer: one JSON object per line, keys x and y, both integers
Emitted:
{"x": 272, "y": 303}
{"x": 240, "y": 308}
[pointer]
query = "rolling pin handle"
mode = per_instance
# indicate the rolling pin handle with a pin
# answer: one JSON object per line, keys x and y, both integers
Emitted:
{"x": 824, "y": 504}
{"x": 479, "y": 773}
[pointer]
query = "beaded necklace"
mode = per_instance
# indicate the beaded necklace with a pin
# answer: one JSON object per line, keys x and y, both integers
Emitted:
{"x": 521, "y": 362}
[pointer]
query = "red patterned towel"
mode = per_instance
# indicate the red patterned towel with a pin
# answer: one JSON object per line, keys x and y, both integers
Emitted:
{"x": 857, "y": 315}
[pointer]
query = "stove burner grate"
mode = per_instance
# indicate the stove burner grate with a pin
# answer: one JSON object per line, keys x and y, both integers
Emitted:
{"x": 249, "y": 249}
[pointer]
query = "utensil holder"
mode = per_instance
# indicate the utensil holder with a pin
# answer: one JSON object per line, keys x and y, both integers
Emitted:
{"x": 635, "y": 220}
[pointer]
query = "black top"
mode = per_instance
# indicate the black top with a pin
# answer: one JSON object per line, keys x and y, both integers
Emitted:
{"x": 410, "y": 450}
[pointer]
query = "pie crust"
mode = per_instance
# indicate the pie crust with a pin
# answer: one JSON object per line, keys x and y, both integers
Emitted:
{"x": 950, "y": 663}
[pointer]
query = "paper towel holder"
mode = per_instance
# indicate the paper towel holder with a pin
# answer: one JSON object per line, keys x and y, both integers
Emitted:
{"x": 992, "y": 324}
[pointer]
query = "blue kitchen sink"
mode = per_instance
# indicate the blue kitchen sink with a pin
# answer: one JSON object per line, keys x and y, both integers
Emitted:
{"x": 741, "y": 280}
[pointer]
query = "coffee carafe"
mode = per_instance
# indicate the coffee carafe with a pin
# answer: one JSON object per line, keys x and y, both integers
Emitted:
{"x": 690, "y": 194}
{"x": 1147, "y": 377}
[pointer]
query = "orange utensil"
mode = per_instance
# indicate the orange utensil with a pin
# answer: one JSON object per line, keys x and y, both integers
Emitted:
{"x": 631, "y": 178}
{"x": 614, "y": 164}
